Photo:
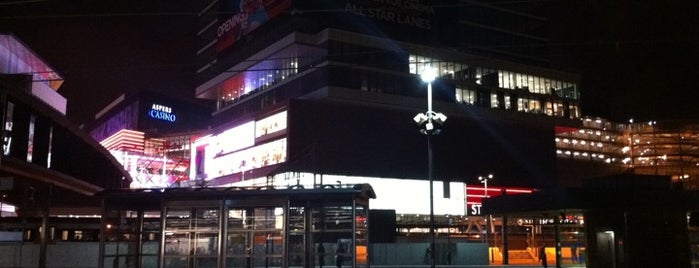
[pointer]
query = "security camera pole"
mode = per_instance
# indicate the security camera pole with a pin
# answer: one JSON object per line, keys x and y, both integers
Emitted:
{"x": 427, "y": 122}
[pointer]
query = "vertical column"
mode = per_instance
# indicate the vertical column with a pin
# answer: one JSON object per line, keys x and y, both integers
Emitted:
{"x": 139, "y": 246}
{"x": 505, "y": 244}
{"x": 308, "y": 236}
{"x": 103, "y": 224}
{"x": 285, "y": 231}
{"x": 222, "y": 234}
{"x": 354, "y": 232}
{"x": 45, "y": 226}
{"x": 557, "y": 238}
{"x": 163, "y": 221}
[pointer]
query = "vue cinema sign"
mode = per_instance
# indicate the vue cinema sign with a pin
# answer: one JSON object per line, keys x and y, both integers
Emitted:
{"x": 162, "y": 112}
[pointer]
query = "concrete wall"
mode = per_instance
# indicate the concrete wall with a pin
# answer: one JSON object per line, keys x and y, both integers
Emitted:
{"x": 416, "y": 254}
{"x": 85, "y": 254}
{"x": 59, "y": 254}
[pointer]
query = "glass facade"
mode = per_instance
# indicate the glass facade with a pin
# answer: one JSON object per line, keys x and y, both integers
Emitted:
{"x": 533, "y": 94}
{"x": 249, "y": 227}
{"x": 254, "y": 237}
{"x": 256, "y": 75}
{"x": 191, "y": 237}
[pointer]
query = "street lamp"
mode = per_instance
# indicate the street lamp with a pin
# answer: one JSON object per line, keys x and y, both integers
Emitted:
{"x": 427, "y": 122}
{"x": 488, "y": 222}
{"x": 484, "y": 180}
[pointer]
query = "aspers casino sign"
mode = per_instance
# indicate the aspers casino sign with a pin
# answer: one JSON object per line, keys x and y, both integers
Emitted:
{"x": 161, "y": 112}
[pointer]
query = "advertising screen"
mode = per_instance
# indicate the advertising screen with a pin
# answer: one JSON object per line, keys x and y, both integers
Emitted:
{"x": 247, "y": 16}
{"x": 235, "y": 150}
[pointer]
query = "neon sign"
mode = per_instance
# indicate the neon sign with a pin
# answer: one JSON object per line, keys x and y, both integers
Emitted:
{"x": 162, "y": 112}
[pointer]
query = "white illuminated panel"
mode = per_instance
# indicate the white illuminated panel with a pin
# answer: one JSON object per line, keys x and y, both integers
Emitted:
{"x": 255, "y": 157}
{"x": 270, "y": 124}
{"x": 234, "y": 150}
{"x": 402, "y": 195}
{"x": 410, "y": 196}
{"x": 233, "y": 139}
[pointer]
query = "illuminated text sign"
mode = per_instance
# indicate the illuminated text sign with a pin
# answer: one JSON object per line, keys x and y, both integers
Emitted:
{"x": 162, "y": 112}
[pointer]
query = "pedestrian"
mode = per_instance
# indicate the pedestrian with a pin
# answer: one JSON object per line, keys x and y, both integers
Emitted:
{"x": 574, "y": 253}
{"x": 339, "y": 255}
{"x": 542, "y": 256}
{"x": 321, "y": 255}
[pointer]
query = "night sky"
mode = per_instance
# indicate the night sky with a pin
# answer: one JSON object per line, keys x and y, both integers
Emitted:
{"x": 638, "y": 58}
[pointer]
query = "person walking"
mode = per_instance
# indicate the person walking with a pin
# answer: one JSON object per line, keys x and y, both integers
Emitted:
{"x": 339, "y": 255}
{"x": 542, "y": 256}
{"x": 321, "y": 255}
{"x": 574, "y": 253}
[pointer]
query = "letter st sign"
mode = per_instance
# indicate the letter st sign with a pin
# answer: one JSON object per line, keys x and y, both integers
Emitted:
{"x": 474, "y": 209}
{"x": 474, "y": 199}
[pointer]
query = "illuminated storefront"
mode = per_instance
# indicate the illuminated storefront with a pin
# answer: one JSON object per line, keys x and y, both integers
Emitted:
{"x": 150, "y": 135}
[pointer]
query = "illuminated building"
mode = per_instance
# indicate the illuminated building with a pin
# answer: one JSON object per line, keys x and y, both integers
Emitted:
{"x": 597, "y": 147}
{"x": 150, "y": 135}
{"x": 339, "y": 83}
{"x": 48, "y": 166}
{"x": 299, "y": 58}
{"x": 323, "y": 93}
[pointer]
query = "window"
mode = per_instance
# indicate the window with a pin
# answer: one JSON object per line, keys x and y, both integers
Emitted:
{"x": 30, "y": 139}
{"x": 7, "y": 138}
{"x": 528, "y": 105}
{"x": 465, "y": 96}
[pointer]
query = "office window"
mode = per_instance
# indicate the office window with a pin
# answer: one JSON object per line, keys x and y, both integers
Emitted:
{"x": 466, "y": 96}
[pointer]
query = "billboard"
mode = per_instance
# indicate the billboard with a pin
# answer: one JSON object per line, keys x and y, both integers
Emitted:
{"x": 245, "y": 17}
{"x": 247, "y": 146}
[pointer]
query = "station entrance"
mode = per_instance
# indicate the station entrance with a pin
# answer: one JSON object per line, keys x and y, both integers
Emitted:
{"x": 236, "y": 227}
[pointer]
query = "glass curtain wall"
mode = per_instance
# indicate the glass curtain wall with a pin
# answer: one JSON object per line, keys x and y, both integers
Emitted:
{"x": 254, "y": 236}
{"x": 131, "y": 238}
{"x": 239, "y": 232}
{"x": 191, "y": 237}
{"x": 340, "y": 235}
{"x": 530, "y": 91}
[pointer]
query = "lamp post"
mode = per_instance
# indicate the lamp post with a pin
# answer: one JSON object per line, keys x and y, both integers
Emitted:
{"x": 427, "y": 121}
{"x": 488, "y": 218}
{"x": 484, "y": 180}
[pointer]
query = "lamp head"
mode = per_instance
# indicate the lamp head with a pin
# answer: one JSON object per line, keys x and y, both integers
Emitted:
{"x": 439, "y": 118}
{"x": 429, "y": 126}
{"x": 420, "y": 118}
{"x": 485, "y": 178}
{"x": 429, "y": 74}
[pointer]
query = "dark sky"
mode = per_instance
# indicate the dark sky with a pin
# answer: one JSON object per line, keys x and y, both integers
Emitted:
{"x": 638, "y": 58}
{"x": 105, "y": 48}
